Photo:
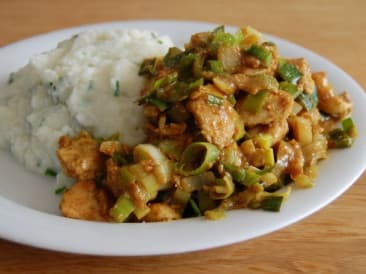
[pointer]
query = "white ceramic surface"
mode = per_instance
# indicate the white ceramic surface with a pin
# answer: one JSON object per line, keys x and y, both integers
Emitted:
{"x": 29, "y": 209}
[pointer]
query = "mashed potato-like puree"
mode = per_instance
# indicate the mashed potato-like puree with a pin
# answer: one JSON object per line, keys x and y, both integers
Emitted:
{"x": 88, "y": 82}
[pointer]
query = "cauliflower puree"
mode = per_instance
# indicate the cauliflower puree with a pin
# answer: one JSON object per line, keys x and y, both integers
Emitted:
{"x": 88, "y": 82}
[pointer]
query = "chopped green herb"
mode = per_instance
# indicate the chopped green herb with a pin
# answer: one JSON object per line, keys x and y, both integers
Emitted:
{"x": 153, "y": 35}
{"x": 11, "y": 78}
{"x": 50, "y": 172}
{"x": 160, "y": 104}
{"x": 60, "y": 190}
{"x": 117, "y": 91}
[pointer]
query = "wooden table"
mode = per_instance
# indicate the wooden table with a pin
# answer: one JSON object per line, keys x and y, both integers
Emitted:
{"x": 332, "y": 240}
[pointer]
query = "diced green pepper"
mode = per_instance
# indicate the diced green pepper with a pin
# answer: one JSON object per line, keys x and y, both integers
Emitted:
{"x": 308, "y": 101}
{"x": 254, "y": 102}
{"x": 290, "y": 88}
{"x": 348, "y": 124}
{"x": 261, "y": 53}
{"x": 289, "y": 72}
{"x": 272, "y": 203}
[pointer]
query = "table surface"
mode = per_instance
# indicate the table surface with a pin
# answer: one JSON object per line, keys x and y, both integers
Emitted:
{"x": 332, "y": 240}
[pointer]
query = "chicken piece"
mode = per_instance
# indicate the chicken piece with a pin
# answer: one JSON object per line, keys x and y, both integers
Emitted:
{"x": 160, "y": 212}
{"x": 80, "y": 157}
{"x": 86, "y": 202}
{"x": 277, "y": 106}
{"x": 337, "y": 106}
{"x": 290, "y": 158}
{"x": 113, "y": 180}
{"x": 217, "y": 121}
{"x": 252, "y": 83}
{"x": 110, "y": 147}
{"x": 306, "y": 82}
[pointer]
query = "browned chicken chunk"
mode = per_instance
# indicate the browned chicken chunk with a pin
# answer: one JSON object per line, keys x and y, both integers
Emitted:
{"x": 160, "y": 212}
{"x": 277, "y": 106}
{"x": 113, "y": 179}
{"x": 86, "y": 202}
{"x": 216, "y": 121}
{"x": 337, "y": 106}
{"x": 80, "y": 157}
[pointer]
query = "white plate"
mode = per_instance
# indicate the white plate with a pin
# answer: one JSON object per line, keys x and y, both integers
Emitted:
{"x": 29, "y": 208}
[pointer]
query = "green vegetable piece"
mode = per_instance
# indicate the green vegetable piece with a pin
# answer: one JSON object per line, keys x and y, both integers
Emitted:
{"x": 232, "y": 100}
{"x": 289, "y": 72}
{"x": 119, "y": 159}
{"x": 308, "y": 101}
{"x": 205, "y": 202}
{"x": 239, "y": 129}
{"x": 290, "y": 88}
{"x": 195, "y": 207}
{"x": 216, "y": 66}
{"x": 148, "y": 67}
{"x": 182, "y": 91}
{"x": 272, "y": 203}
{"x": 222, "y": 38}
{"x": 347, "y": 125}
{"x": 172, "y": 58}
{"x": 172, "y": 148}
{"x": 181, "y": 197}
{"x": 197, "y": 158}
{"x": 215, "y": 100}
{"x": 122, "y": 209}
{"x": 60, "y": 190}
{"x": 251, "y": 178}
{"x": 50, "y": 172}
{"x": 127, "y": 177}
{"x": 117, "y": 91}
{"x": 254, "y": 102}
{"x": 160, "y": 104}
{"x": 340, "y": 138}
{"x": 236, "y": 172}
{"x": 261, "y": 53}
